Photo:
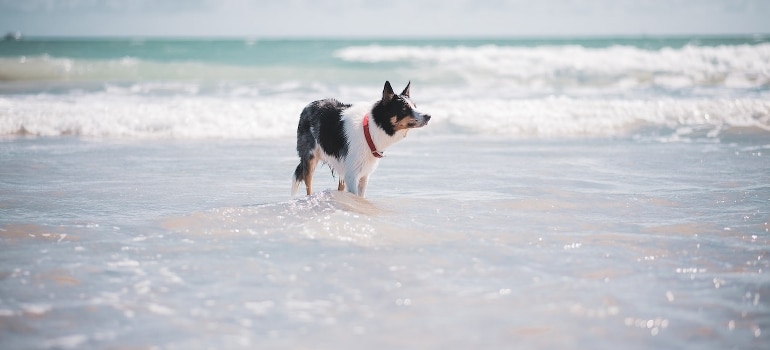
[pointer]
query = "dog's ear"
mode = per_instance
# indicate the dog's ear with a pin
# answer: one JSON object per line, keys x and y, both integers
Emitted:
{"x": 387, "y": 93}
{"x": 406, "y": 89}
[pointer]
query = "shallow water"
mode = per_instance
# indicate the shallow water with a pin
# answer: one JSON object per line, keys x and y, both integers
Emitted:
{"x": 568, "y": 193}
{"x": 461, "y": 242}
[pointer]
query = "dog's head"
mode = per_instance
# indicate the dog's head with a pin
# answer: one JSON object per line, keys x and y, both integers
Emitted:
{"x": 397, "y": 112}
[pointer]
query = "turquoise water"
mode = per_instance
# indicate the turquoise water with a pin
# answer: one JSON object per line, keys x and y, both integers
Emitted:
{"x": 568, "y": 193}
{"x": 311, "y": 51}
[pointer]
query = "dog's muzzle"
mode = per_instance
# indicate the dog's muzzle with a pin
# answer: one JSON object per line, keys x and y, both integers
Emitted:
{"x": 422, "y": 120}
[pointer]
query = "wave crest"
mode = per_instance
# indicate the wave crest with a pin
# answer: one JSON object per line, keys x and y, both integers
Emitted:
{"x": 738, "y": 66}
{"x": 233, "y": 117}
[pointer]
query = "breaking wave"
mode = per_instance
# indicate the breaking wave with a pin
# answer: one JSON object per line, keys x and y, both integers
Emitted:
{"x": 738, "y": 66}
{"x": 233, "y": 117}
{"x": 570, "y": 68}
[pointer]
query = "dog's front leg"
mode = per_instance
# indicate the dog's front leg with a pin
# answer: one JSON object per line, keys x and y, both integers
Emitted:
{"x": 341, "y": 185}
{"x": 362, "y": 185}
{"x": 351, "y": 183}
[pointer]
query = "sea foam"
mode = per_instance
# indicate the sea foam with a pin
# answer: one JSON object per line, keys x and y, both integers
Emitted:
{"x": 547, "y": 68}
{"x": 739, "y": 66}
{"x": 237, "y": 117}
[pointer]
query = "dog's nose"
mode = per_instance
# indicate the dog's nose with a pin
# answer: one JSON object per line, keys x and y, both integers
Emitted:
{"x": 427, "y": 117}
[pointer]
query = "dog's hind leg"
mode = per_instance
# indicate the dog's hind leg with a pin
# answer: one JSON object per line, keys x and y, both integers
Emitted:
{"x": 341, "y": 186}
{"x": 304, "y": 173}
{"x": 308, "y": 178}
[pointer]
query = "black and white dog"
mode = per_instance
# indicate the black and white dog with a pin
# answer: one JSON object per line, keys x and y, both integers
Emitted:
{"x": 351, "y": 138}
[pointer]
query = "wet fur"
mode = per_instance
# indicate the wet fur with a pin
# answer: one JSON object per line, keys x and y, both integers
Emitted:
{"x": 330, "y": 131}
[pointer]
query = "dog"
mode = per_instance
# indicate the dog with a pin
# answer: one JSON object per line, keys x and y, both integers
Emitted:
{"x": 350, "y": 138}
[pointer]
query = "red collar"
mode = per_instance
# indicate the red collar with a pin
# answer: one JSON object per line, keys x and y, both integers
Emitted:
{"x": 368, "y": 137}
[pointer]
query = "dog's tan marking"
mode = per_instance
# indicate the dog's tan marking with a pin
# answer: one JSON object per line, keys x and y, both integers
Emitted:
{"x": 403, "y": 123}
{"x": 341, "y": 186}
{"x": 309, "y": 176}
{"x": 311, "y": 164}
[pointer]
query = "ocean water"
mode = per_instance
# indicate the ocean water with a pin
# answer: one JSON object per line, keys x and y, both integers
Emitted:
{"x": 596, "y": 193}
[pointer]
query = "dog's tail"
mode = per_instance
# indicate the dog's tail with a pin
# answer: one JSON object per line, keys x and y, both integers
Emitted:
{"x": 299, "y": 176}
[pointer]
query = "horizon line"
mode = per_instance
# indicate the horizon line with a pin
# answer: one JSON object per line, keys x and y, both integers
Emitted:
{"x": 395, "y": 37}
